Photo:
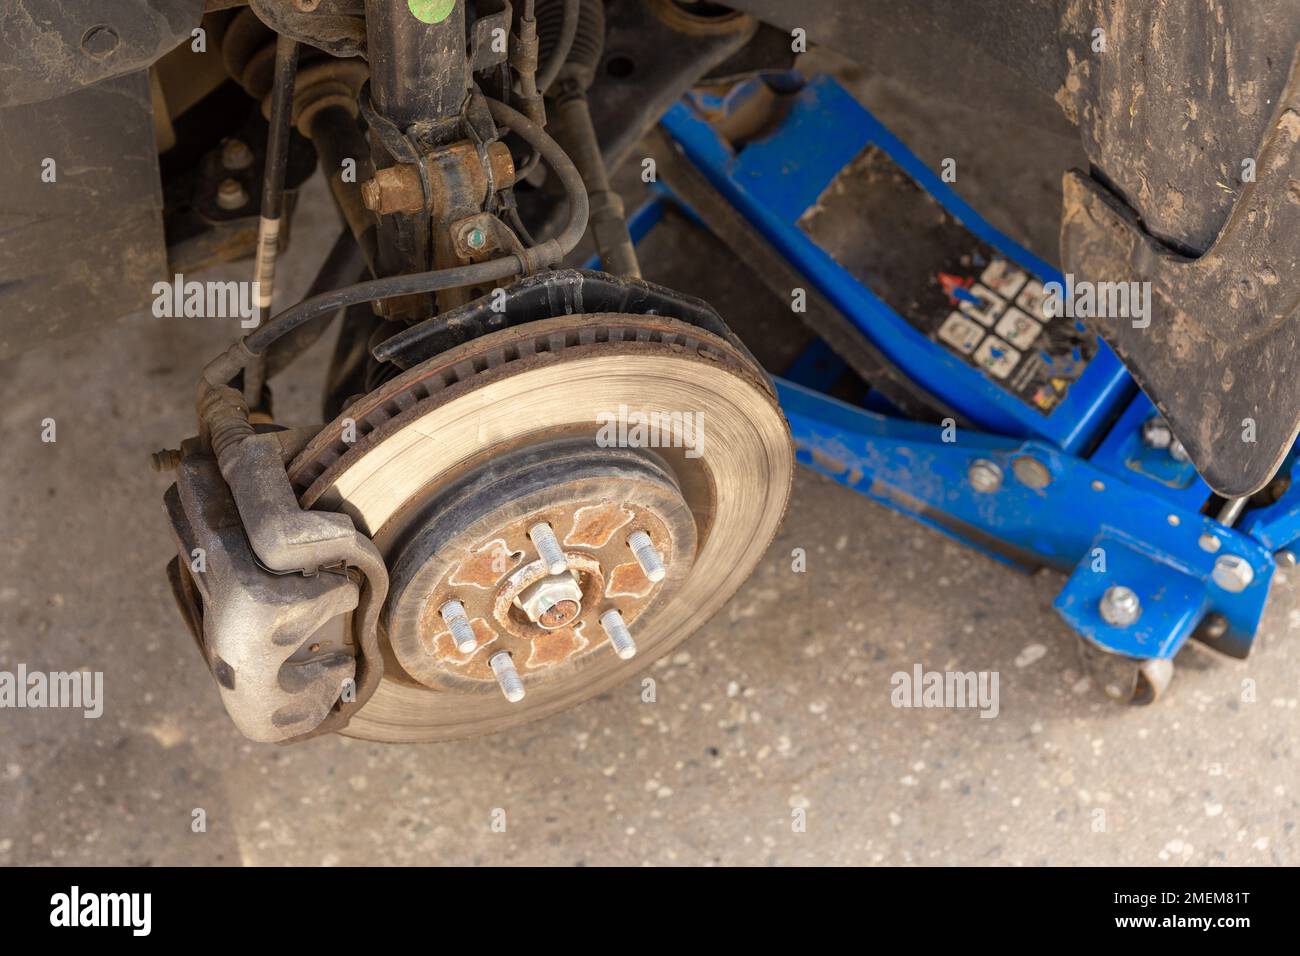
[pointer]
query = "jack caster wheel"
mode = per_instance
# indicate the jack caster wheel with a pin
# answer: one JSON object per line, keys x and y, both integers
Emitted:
{"x": 1126, "y": 679}
{"x": 559, "y": 503}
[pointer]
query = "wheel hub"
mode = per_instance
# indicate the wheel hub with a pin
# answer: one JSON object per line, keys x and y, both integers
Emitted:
{"x": 476, "y": 544}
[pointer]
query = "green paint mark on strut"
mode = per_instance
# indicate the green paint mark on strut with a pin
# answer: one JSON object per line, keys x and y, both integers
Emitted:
{"x": 431, "y": 11}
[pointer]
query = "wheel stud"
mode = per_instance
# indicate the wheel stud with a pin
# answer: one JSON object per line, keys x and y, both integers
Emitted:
{"x": 652, "y": 565}
{"x": 462, "y": 632}
{"x": 619, "y": 636}
{"x": 548, "y": 548}
{"x": 504, "y": 667}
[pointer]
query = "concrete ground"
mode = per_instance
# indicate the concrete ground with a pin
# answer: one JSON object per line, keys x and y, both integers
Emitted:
{"x": 780, "y": 704}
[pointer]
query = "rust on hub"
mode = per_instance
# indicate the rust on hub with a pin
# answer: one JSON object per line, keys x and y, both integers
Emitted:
{"x": 560, "y": 613}
{"x": 487, "y": 574}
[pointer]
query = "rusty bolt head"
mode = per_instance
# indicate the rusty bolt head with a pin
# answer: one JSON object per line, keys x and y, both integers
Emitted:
{"x": 231, "y": 195}
{"x": 306, "y": 6}
{"x": 503, "y": 165}
{"x": 394, "y": 189}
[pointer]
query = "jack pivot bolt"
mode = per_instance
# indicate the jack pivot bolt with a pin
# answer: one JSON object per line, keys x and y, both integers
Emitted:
{"x": 462, "y": 632}
{"x": 647, "y": 556}
{"x": 1156, "y": 433}
{"x": 1232, "y": 573}
{"x": 619, "y": 636}
{"x": 985, "y": 476}
{"x": 1120, "y": 607}
{"x": 548, "y": 548}
{"x": 503, "y": 666}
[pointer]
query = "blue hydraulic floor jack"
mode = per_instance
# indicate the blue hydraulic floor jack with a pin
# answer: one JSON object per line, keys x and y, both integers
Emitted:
{"x": 1038, "y": 449}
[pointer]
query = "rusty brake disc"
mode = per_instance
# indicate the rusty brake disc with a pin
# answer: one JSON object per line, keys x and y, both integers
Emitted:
{"x": 452, "y": 465}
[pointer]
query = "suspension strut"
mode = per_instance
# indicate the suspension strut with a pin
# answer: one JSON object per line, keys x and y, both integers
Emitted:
{"x": 419, "y": 79}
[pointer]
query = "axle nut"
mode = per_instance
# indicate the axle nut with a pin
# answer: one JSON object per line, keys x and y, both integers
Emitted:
{"x": 1119, "y": 606}
{"x": 552, "y": 602}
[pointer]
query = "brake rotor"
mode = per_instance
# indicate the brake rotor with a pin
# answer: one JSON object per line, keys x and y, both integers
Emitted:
{"x": 451, "y": 465}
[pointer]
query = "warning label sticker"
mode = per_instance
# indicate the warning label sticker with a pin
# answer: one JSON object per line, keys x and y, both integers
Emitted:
{"x": 956, "y": 289}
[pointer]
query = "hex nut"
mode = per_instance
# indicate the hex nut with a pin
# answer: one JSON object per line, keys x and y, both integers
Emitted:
{"x": 394, "y": 189}
{"x": 552, "y": 602}
{"x": 1119, "y": 606}
{"x": 1232, "y": 572}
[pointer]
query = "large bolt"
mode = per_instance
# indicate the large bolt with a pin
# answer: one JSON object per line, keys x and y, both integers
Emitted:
{"x": 1119, "y": 606}
{"x": 1232, "y": 573}
{"x": 1156, "y": 433}
{"x": 462, "y": 631}
{"x": 548, "y": 548}
{"x": 619, "y": 636}
{"x": 985, "y": 476}
{"x": 652, "y": 565}
{"x": 394, "y": 189}
{"x": 371, "y": 195}
{"x": 504, "y": 668}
